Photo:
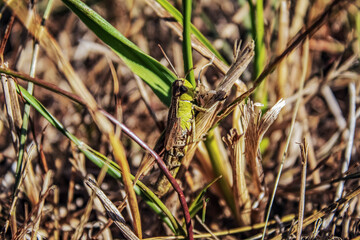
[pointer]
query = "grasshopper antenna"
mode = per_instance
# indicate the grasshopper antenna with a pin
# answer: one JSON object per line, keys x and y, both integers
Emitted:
{"x": 203, "y": 68}
{"x": 168, "y": 60}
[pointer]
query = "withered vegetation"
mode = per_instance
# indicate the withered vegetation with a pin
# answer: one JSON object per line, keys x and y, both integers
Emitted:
{"x": 277, "y": 138}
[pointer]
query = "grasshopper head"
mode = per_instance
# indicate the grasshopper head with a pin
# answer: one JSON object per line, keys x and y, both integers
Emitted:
{"x": 183, "y": 89}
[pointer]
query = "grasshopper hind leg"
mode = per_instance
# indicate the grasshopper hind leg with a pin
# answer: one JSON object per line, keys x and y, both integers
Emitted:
{"x": 173, "y": 163}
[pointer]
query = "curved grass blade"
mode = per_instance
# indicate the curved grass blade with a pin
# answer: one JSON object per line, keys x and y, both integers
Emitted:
{"x": 158, "y": 77}
{"x": 113, "y": 169}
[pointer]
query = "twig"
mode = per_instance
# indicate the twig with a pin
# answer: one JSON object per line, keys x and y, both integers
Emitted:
{"x": 346, "y": 163}
{"x": 46, "y": 185}
{"x": 112, "y": 211}
{"x": 334, "y": 107}
{"x": 89, "y": 206}
{"x": 206, "y": 227}
{"x": 304, "y": 155}
{"x": 301, "y": 87}
{"x": 323, "y": 212}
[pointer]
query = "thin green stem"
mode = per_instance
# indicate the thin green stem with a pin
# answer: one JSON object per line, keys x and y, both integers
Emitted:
{"x": 27, "y": 107}
{"x": 178, "y": 17}
{"x": 258, "y": 32}
{"x": 187, "y": 49}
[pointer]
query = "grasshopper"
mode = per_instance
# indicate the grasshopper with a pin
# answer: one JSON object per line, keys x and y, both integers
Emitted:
{"x": 180, "y": 137}
{"x": 179, "y": 132}
{"x": 179, "y": 129}
{"x": 173, "y": 142}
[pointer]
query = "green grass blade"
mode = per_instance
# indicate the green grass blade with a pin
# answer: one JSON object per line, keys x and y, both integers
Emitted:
{"x": 113, "y": 169}
{"x": 258, "y": 32}
{"x": 27, "y": 107}
{"x": 197, "y": 204}
{"x": 158, "y": 77}
{"x": 179, "y": 18}
{"x": 187, "y": 49}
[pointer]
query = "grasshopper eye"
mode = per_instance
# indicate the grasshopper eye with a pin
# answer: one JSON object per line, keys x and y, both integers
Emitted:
{"x": 183, "y": 89}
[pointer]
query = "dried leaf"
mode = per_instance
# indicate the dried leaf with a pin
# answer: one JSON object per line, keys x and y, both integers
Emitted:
{"x": 235, "y": 143}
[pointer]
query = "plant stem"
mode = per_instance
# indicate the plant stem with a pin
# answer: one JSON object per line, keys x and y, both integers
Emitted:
{"x": 187, "y": 49}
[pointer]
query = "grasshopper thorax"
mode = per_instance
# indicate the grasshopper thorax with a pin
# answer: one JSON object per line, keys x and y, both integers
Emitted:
{"x": 183, "y": 89}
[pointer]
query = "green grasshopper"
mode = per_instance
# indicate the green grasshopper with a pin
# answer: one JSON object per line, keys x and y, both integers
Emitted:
{"x": 179, "y": 132}
{"x": 180, "y": 126}
{"x": 173, "y": 143}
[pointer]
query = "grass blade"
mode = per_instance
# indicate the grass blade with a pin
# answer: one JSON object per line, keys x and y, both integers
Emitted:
{"x": 197, "y": 203}
{"x": 158, "y": 77}
{"x": 179, "y": 18}
{"x": 258, "y": 32}
{"x": 113, "y": 169}
{"x": 119, "y": 155}
{"x": 187, "y": 49}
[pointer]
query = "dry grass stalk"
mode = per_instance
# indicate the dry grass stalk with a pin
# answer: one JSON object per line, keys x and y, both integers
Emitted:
{"x": 298, "y": 19}
{"x": 293, "y": 119}
{"x": 89, "y": 206}
{"x": 303, "y": 117}
{"x": 304, "y": 155}
{"x": 56, "y": 213}
{"x": 349, "y": 146}
{"x": 235, "y": 143}
{"x": 46, "y": 185}
{"x": 322, "y": 213}
{"x": 116, "y": 91}
{"x": 37, "y": 211}
{"x": 112, "y": 211}
{"x": 206, "y": 227}
{"x": 255, "y": 127}
{"x": 12, "y": 107}
{"x": 226, "y": 233}
{"x": 333, "y": 106}
{"x": 282, "y": 70}
{"x": 31, "y": 181}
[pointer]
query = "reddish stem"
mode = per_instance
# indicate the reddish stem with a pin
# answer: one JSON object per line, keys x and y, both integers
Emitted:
{"x": 163, "y": 168}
